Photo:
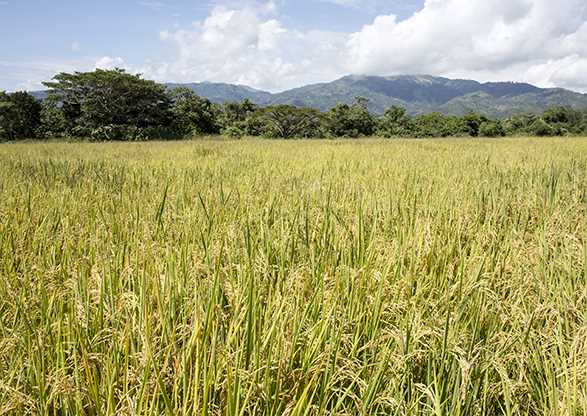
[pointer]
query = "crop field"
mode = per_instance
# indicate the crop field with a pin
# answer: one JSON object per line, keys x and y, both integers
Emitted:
{"x": 259, "y": 277}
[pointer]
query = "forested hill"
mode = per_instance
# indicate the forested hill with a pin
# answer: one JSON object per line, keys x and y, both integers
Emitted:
{"x": 221, "y": 93}
{"x": 419, "y": 94}
{"x": 116, "y": 105}
{"x": 424, "y": 94}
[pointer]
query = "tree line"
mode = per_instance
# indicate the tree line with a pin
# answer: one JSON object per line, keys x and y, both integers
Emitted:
{"x": 115, "y": 105}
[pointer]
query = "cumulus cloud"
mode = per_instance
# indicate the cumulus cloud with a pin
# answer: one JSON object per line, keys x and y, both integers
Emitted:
{"x": 537, "y": 41}
{"x": 108, "y": 62}
{"x": 474, "y": 36}
{"x": 251, "y": 46}
{"x": 29, "y": 75}
{"x": 248, "y": 42}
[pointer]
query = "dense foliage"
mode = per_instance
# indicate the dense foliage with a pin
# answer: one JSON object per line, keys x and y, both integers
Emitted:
{"x": 20, "y": 115}
{"x": 114, "y": 105}
{"x": 419, "y": 94}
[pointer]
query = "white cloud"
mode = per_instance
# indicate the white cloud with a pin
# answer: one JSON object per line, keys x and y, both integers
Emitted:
{"x": 510, "y": 37}
{"x": 107, "y": 62}
{"x": 29, "y": 75}
{"x": 567, "y": 72}
{"x": 250, "y": 46}
{"x": 75, "y": 47}
{"x": 537, "y": 41}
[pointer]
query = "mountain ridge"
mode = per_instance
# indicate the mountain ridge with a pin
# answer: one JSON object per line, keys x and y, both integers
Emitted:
{"x": 417, "y": 93}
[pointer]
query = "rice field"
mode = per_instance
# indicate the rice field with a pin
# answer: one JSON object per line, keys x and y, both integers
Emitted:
{"x": 256, "y": 277}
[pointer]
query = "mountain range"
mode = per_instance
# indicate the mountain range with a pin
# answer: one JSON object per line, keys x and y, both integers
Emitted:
{"x": 417, "y": 93}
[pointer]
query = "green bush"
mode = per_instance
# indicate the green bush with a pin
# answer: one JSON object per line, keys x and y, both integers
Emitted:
{"x": 541, "y": 128}
{"x": 53, "y": 121}
{"x": 491, "y": 129}
{"x": 438, "y": 125}
{"x": 473, "y": 122}
{"x": 395, "y": 122}
{"x": 20, "y": 116}
{"x": 234, "y": 131}
{"x": 351, "y": 120}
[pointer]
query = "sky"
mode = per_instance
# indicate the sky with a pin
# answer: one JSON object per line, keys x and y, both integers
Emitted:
{"x": 280, "y": 44}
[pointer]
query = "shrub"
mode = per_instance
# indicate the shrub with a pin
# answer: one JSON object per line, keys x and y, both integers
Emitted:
{"x": 351, "y": 120}
{"x": 438, "y": 125}
{"x": 20, "y": 116}
{"x": 541, "y": 128}
{"x": 491, "y": 129}
{"x": 394, "y": 123}
{"x": 53, "y": 121}
{"x": 234, "y": 131}
{"x": 472, "y": 123}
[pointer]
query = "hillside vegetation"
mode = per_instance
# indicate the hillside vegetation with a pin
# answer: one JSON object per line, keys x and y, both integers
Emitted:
{"x": 113, "y": 105}
{"x": 419, "y": 94}
{"x": 407, "y": 277}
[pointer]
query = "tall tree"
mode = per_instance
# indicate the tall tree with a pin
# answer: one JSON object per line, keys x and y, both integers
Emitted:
{"x": 394, "y": 122}
{"x": 20, "y": 115}
{"x": 351, "y": 120}
{"x": 110, "y": 98}
{"x": 473, "y": 122}
{"x": 6, "y": 117}
{"x": 438, "y": 125}
{"x": 285, "y": 121}
{"x": 235, "y": 111}
{"x": 193, "y": 114}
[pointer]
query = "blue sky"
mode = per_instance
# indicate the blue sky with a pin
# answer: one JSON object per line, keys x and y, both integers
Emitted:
{"x": 47, "y": 29}
{"x": 285, "y": 43}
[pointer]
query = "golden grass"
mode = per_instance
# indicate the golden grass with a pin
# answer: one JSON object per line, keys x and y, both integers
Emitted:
{"x": 406, "y": 277}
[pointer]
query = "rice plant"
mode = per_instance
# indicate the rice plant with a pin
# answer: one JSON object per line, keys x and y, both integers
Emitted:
{"x": 254, "y": 277}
